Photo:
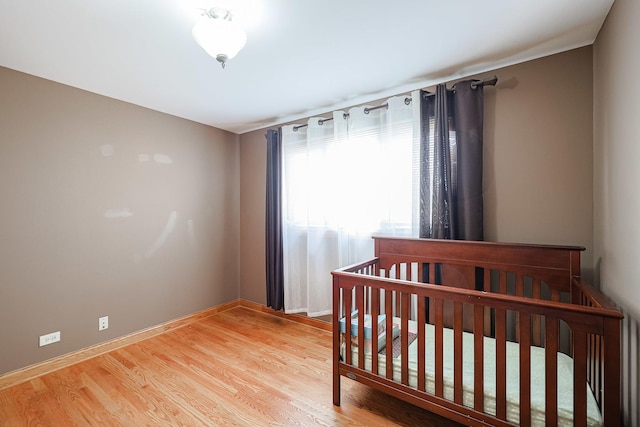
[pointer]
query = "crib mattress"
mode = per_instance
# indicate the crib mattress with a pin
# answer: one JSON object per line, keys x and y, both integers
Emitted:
{"x": 565, "y": 376}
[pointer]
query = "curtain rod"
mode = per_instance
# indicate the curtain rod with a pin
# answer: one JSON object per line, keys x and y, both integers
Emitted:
{"x": 367, "y": 110}
{"x": 491, "y": 81}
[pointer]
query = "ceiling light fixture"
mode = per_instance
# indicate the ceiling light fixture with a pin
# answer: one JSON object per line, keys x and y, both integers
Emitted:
{"x": 219, "y": 35}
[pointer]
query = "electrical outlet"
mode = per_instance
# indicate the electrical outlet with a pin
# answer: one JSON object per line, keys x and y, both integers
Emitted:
{"x": 49, "y": 338}
{"x": 103, "y": 323}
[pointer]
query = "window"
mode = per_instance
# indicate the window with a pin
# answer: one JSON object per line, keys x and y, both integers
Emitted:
{"x": 343, "y": 181}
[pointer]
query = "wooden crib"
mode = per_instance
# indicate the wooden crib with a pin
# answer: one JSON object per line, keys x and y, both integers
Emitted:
{"x": 482, "y": 333}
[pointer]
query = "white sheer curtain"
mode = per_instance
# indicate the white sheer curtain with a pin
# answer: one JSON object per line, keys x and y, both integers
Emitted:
{"x": 345, "y": 180}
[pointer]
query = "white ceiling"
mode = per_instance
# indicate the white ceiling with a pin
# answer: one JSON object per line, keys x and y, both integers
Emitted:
{"x": 303, "y": 57}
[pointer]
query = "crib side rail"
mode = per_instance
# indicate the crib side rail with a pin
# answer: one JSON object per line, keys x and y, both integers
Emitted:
{"x": 362, "y": 292}
{"x": 584, "y": 293}
{"x": 570, "y": 313}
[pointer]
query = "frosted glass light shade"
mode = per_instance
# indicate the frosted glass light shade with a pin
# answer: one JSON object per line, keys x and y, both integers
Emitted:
{"x": 219, "y": 37}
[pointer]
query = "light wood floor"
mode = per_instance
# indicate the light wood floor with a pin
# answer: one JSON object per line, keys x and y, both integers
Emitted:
{"x": 239, "y": 367}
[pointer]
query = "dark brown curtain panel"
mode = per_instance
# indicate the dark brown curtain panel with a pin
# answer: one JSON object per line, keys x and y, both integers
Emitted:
{"x": 468, "y": 119}
{"x": 451, "y": 163}
{"x": 273, "y": 226}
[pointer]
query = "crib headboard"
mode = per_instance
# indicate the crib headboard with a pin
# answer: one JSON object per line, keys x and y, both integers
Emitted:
{"x": 460, "y": 260}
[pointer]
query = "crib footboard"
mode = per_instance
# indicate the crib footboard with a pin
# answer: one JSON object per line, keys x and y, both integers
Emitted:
{"x": 475, "y": 356}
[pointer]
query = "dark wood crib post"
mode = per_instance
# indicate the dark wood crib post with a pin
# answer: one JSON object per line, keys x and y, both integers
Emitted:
{"x": 336, "y": 340}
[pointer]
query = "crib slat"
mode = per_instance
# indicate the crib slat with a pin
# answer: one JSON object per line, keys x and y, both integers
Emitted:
{"x": 422, "y": 319}
{"x": 396, "y": 307}
{"x": 579, "y": 378}
{"x": 439, "y": 388}
{"x": 591, "y": 365}
{"x": 375, "y": 311}
{"x": 501, "y": 364}
{"x": 478, "y": 360}
{"x": 598, "y": 362}
{"x": 519, "y": 293}
{"x": 501, "y": 355}
{"x": 537, "y": 321}
{"x": 432, "y": 279}
{"x": 503, "y": 282}
{"x": 388, "y": 351}
{"x": 432, "y": 272}
{"x": 525, "y": 369}
{"x": 519, "y": 285}
{"x": 361, "y": 314}
{"x": 487, "y": 310}
{"x": 457, "y": 348}
{"x": 347, "y": 325}
{"x": 404, "y": 337}
{"x": 596, "y": 381}
{"x": 551, "y": 371}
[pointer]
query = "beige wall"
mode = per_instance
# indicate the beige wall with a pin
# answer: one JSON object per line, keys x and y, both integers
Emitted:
{"x": 253, "y": 161}
{"x": 617, "y": 155}
{"x": 617, "y": 175}
{"x": 538, "y": 163}
{"x": 538, "y": 153}
{"x": 107, "y": 209}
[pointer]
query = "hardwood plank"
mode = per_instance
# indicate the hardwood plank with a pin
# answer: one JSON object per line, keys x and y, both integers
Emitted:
{"x": 236, "y": 367}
